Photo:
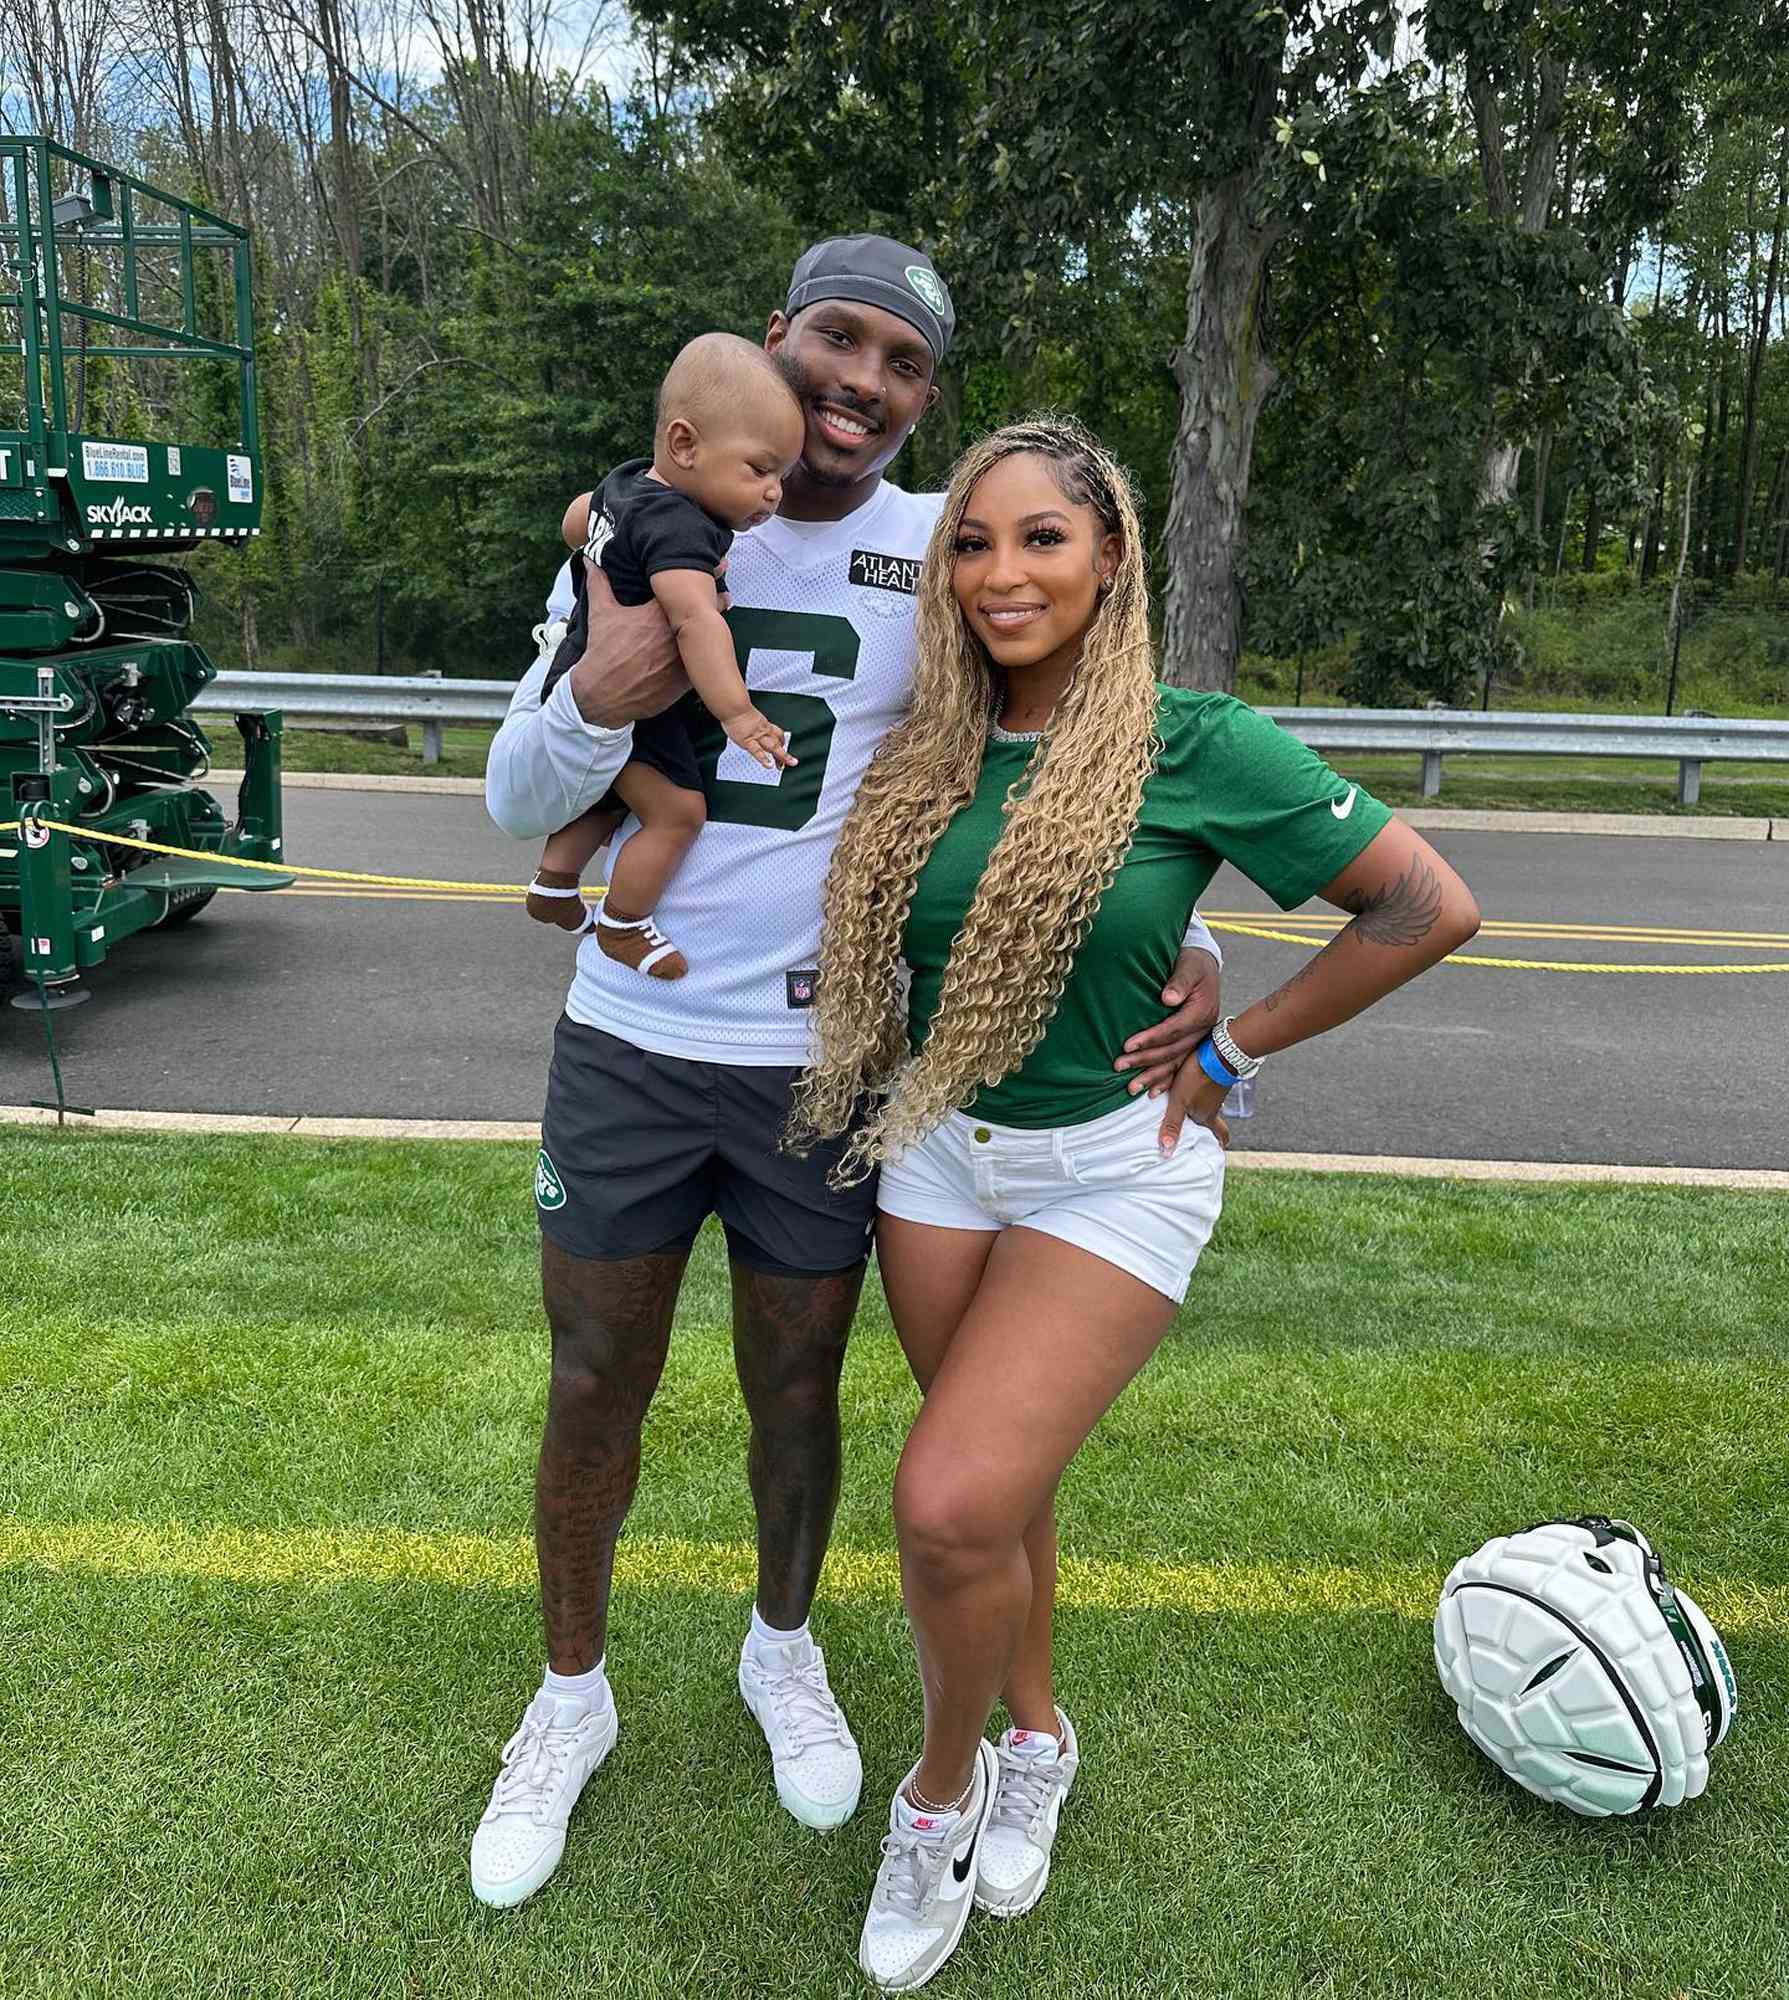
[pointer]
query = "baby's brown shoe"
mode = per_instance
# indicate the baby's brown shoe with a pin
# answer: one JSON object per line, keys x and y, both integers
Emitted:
{"x": 638, "y": 942}
{"x": 555, "y": 898}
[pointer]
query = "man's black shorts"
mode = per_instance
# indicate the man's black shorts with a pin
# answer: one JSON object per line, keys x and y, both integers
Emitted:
{"x": 663, "y": 744}
{"x": 637, "y": 1150}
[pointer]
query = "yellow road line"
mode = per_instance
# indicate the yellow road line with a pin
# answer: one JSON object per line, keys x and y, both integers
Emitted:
{"x": 324, "y": 1557}
{"x": 1525, "y": 926}
{"x": 1319, "y": 925}
{"x": 506, "y": 892}
{"x": 1515, "y": 964}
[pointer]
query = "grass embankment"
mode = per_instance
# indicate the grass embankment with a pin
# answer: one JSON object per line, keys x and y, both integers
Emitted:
{"x": 268, "y": 1413}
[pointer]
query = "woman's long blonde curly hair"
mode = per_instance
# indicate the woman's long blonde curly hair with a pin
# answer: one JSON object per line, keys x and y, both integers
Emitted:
{"x": 1069, "y": 820}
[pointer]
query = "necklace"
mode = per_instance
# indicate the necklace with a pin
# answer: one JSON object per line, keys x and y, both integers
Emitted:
{"x": 998, "y": 735}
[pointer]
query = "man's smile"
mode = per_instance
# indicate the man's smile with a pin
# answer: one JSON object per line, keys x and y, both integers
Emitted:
{"x": 843, "y": 428}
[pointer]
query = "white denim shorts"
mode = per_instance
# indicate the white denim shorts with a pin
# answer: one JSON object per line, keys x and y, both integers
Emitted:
{"x": 1105, "y": 1186}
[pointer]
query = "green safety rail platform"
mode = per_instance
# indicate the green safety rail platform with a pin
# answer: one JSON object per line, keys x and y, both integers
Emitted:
{"x": 128, "y": 434}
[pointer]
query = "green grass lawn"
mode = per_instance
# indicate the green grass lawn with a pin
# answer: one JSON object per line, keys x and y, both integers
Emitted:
{"x": 268, "y": 1412}
{"x": 463, "y": 752}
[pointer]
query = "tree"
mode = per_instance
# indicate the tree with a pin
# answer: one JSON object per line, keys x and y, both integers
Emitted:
{"x": 1416, "y": 312}
{"x": 1758, "y": 336}
{"x": 1047, "y": 137}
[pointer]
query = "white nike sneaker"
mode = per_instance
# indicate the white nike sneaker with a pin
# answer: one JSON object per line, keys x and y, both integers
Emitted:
{"x": 546, "y": 1764}
{"x": 1036, "y": 1772}
{"x": 819, "y": 1775}
{"x": 925, "y": 1887}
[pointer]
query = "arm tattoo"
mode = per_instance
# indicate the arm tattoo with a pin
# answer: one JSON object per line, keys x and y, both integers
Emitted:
{"x": 1397, "y": 916}
{"x": 1401, "y": 914}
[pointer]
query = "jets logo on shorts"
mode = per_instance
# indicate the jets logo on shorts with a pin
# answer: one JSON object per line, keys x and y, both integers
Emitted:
{"x": 549, "y": 1189}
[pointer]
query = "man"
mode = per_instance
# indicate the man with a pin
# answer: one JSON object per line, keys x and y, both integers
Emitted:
{"x": 665, "y": 1100}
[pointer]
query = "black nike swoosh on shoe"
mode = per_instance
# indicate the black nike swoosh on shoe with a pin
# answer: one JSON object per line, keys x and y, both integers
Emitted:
{"x": 960, "y": 1867}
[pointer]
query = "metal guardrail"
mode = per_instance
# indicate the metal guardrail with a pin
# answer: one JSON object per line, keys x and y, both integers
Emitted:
{"x": 1434, "y": 733}
{"x": 1439, "y": 732}
{"x": 368, "y": 698}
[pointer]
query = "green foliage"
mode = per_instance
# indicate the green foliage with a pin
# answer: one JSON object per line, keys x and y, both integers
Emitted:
{"x": 428, "y": 488}
{"x": 426, "y": 415}
{"x": 1430, "y": 329}
{"x": 1593, "y": 643}
{"x": 626, "y": 248}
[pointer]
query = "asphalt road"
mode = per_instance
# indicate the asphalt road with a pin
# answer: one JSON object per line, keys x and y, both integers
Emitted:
{"x": 339, "y": 1003}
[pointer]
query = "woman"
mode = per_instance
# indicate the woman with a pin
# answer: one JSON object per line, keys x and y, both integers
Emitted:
{"x": 1029, "y": 842}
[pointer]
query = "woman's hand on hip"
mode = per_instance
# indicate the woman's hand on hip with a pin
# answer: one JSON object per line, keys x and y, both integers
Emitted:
{"x": 1193, "y": 1095}
{"x": 1158, "y": 1053}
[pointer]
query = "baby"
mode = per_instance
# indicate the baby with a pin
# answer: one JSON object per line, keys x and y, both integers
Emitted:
{"x": 729, "y": 430}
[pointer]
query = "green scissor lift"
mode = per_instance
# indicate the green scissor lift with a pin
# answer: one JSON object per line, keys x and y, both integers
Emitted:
{"x": 107, "y": 288}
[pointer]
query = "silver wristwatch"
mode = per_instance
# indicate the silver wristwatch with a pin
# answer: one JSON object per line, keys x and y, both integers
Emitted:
{"x": 1238, "y": 1064}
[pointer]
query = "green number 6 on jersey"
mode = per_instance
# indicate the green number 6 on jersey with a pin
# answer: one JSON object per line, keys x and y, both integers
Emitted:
{"x": 793, "y": 799}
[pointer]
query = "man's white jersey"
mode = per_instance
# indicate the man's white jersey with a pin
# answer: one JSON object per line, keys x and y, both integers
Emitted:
{"x": 822, "y": 623}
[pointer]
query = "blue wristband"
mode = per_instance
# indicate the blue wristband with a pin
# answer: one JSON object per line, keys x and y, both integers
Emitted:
{"x": 1214, "y": 1066}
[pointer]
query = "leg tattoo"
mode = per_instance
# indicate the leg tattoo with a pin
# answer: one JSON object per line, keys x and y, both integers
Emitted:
{"x": 789, "y": 1347}
{"x": 611, "y": 1327}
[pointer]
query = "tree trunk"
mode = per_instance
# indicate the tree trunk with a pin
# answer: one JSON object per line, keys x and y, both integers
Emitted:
{"x": 1711, "y": 551}
{"x": 1655, "y": 530}
{"x": 1224, "y": 379}
{"x": 1705, "y": 529}
{"x": 1748, "y": 448}
{"x": 1525, "y": 207}
{"x": 1565, "y": 521}
{"x": 1593, "y": 531}
{"x": 1543, "y": 459}
{"x": 1683, "y": 553}
{"x": 1776, "y": 516}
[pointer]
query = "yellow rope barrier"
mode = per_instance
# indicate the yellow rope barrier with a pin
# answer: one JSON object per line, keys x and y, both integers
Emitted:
{"x": 267, "y": 867}
{"x": 1509, "y": 964}
{"x": 509, "y": 891}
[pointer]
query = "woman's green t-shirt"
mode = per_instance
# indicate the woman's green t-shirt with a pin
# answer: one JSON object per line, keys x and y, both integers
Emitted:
{"x": 1230, "y": 785}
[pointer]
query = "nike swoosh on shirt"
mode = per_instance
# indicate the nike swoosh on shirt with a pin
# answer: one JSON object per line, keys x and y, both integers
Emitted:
{"x": 1343, "y": 807}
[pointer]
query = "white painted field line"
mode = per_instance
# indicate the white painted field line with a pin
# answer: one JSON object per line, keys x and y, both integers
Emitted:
{"x": 519, "y": 1132}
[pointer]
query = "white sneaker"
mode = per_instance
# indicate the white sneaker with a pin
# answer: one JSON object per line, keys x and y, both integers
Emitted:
{"x": 1036, "y": 1772}
{"x": 925, "y": 1887}
{"x": 819, "y": 1775}
{"x": 546, "y": 1764}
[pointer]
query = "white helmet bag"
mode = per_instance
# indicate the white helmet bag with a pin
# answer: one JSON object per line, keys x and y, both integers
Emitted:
{"x": 1580, "y": 1671}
